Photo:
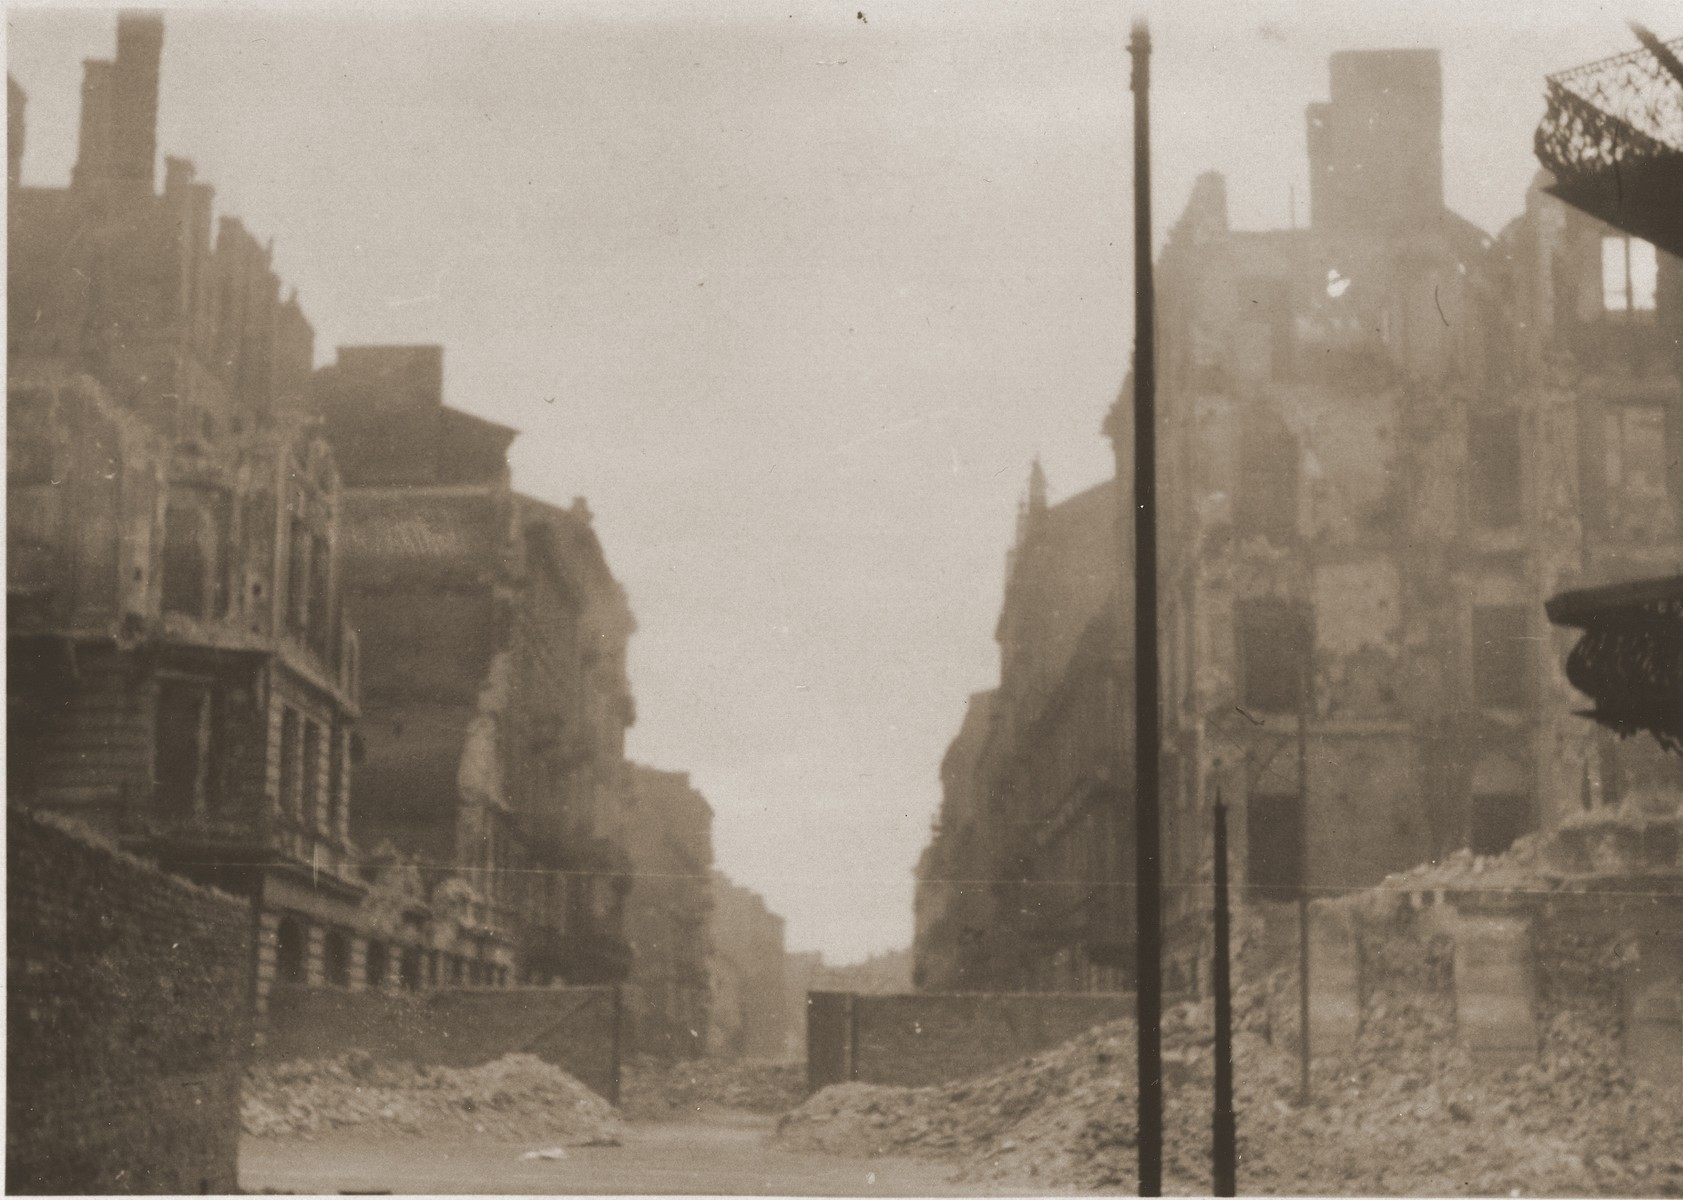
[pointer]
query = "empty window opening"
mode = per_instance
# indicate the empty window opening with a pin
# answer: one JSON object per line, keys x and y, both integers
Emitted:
{"x": 409, "y": 969}
{"x": 1266, "y": 500}
{"x": 310, "y": 788}
{"x": 183, "y": 755}
{"x": 377, "y": 960}
{"x": 315, "y": 617}
{"x": 1630, "y": 273}
{"x": 298, "y": 576}
{"x": 1501, "y": 656}
{"x": 1274, "y": 835}
{"x": 289, "y": 951}
{"x": 1497, "y": 821}
{"x": 1493, "y": 461}
{"x": 336, "y": 959}
{"x": 186, "y": 563}
{"x": 289, "y": 765}
{"x": 1274, "y": 644}
{"x": 335, "y": 781}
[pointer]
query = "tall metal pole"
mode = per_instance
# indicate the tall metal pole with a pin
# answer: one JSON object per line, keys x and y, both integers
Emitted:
{"x": 1303, "y": 880}
{"x": 1148, "y": 907}
{"x": 1224, "y": 1128}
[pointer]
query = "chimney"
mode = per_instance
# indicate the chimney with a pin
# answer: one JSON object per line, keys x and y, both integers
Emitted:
{"x": 119, "y": 136}
{"x": 93, "y": 154}
{"x": 134, "y": 95}
{"x": 1376, "y": 148}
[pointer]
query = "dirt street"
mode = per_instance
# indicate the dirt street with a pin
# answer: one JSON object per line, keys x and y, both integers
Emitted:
{"x": 724, "y": 1153}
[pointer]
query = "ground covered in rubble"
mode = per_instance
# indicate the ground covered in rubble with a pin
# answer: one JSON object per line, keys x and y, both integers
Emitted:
{"x": 517, "y": 1097}
{"x": 652, "y": 1089}
{"x": 1403, "y": 1112}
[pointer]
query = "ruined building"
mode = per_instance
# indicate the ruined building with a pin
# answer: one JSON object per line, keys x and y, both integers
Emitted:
{"x": 668, "y": 916}
{"x": 1385, "y": 438}
{"x": 180, "y": 674}
{"x": 1020, "y": 887}
{"x": 749, "y": 1015}
{"x": 198, "y": 520}
{"x": 495, "y": 696}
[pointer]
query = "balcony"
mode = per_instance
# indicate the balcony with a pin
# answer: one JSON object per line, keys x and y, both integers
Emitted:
{"x": 1630, "y": 659}
{"x": 1613, "y": 138}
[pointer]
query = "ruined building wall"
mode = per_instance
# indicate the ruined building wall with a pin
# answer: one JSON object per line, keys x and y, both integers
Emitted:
{"x": 749, "y": 1013}
{"x": 127, "y": 1021}
{"x": 668, "y": 916}
{"x": 495, "y": 699}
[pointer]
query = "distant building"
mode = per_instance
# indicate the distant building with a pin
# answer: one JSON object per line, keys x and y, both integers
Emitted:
{"x": 749, "y": 1010}
{"x": 668, "y": 915}
{"x": 496, "y": 700}
{"x": 1019, "y": 888}
{"x": 180, "y": 673}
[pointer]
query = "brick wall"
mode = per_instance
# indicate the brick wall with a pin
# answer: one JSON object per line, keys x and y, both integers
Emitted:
{"x": 127, "y": 1018}
{"x": 574, "y": 1028}
{"x": 923, "y": 1038}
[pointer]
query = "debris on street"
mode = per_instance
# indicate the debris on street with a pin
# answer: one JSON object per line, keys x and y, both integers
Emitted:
{"x": 1404, "y": 1111}
{"x": 652, "y": 1089}
{"x": 518, "y": 1097}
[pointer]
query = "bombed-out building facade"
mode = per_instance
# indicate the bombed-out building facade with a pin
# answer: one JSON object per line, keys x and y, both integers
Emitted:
{"x": 292, "y": 632}
{"x": 180, "y": 673}
{"x": 669, "y": 914}
{"x": 1384, "y": 439}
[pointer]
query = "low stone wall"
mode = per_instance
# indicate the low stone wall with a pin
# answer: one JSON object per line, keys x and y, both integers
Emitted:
{"x": 1509, "y": 971}
{"x": 127, "y": 1018}
{"x": 922, "y": 1038}
{"x": 577, "y": 1029}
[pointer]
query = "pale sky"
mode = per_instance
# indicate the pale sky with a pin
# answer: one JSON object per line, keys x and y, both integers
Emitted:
{"x": 792, "y": 297}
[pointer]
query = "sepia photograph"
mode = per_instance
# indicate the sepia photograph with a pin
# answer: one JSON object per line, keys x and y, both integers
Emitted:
{"x": 844, "y": 598}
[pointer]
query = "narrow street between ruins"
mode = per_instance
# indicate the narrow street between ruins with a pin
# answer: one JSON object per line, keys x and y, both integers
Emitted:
{"x": 720, "y": 1152}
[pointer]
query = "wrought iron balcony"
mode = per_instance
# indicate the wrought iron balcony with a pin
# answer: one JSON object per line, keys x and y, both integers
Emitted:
{"x": 1613, "y": 138}
{"x": 1630, "y": 659}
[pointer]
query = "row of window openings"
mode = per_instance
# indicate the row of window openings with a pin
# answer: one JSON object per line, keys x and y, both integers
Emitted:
{"x": 413, "y": 966}
{"x": 1275, "y": 641}
{"x": 1276, "y": 840}
{"x": 1634, "y": 470}
{"x": 191, "y": 764}
{"x": 1630, "y": 277}
{"x": 195, "y": 580}
{"x": 301, "y": 750}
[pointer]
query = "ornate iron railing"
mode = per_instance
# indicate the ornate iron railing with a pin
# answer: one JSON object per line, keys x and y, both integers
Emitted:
{"x": 1630, "y": 659}
{"x": 1613, "y": 111}
{"x": 1613, "y": 138}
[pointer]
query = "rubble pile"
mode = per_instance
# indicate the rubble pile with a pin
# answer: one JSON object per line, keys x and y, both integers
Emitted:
{"x": 653, "y": 1089}
{"x": 1403, "y": 1111}
{"x": 517, "y": 1097}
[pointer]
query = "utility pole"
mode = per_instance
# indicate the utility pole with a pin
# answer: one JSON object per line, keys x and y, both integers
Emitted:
{"x": 1303, "y": 875}
{"x": 1148, "y": 905}
{"x": 1224, "y": 1129}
